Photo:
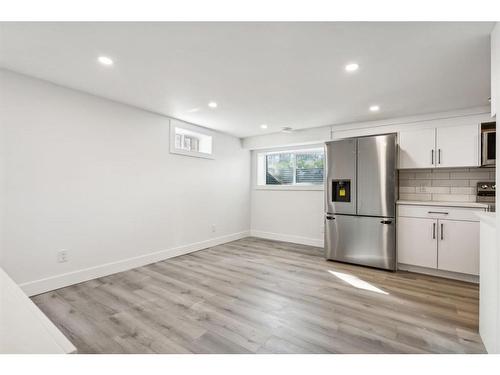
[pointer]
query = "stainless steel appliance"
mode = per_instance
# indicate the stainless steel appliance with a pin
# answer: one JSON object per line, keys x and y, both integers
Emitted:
{"x": 360, "y": 201}
{"x": 488, "y": 144}
{"x": 485, "y": 193}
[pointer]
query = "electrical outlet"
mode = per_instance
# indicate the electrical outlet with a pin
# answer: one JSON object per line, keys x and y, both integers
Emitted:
{"x": 62, "y": 256}
{"x": 214, "y": 228}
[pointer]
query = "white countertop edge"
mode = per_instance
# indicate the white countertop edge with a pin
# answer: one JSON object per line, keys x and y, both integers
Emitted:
{"x": 446, "y": 204}
{"x": 22, "y": 301}
{"x": 489, "y": 218}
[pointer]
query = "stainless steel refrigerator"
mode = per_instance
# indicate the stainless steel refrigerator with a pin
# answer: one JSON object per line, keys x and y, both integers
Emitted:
{"x": 360, "y": 201}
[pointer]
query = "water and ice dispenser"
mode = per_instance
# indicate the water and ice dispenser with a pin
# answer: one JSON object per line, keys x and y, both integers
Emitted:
{"x": 341, "y": 190}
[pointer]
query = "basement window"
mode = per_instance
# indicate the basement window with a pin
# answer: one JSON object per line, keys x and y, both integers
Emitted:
{"x": 291, "y": 168}
{"x": 190, "y": 140}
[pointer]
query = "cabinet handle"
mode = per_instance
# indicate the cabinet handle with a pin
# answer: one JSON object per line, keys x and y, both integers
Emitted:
{"x": 439, "y": 156}
{"x": 432, "y": 157}
{"x": 437, "y": 212}
{"x": 433, "y": 231}
{"x": 442, "y": 231}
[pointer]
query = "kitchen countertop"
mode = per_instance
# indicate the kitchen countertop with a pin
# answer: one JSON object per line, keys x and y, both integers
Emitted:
{"x": 448, "y": 204}
{"x": 489, "y": 218}
{"x": 23, "y": 326}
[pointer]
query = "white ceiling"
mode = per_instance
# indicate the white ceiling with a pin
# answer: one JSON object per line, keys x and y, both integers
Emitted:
{"x": 281, "y": 74}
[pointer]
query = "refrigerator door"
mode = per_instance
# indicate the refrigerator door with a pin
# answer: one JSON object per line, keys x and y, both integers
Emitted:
{"x": 369, "y": 241}
{"x": 377, "y": 177}
{"x": 340, "y": 189}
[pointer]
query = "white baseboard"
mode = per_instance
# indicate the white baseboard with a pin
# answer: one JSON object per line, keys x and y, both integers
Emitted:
{"x": 439, "y": 273}
{"x": 287, "y": 238}
{"x": 59, "y": 281}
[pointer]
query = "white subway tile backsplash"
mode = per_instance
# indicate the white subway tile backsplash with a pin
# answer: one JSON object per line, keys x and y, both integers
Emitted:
{"x": 442, "y": 184}
{"x": 406, "y": 189}
{"x": 440, "y": 176}
{"x": 419, "y": 183}
{"x": 415, "y": 197}
{"x": 423, "y": 175}
{"x": 450, "y": 182}
{"x": 440, "y": 190}
{"x": 470, "y": 175}
{"x": 463, "y": 190}
{"x": 453, "y": 197}
{"x": 406, "y": 175}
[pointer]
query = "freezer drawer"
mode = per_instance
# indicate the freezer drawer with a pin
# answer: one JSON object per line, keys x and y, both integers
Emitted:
{"x": 369, "y": 241}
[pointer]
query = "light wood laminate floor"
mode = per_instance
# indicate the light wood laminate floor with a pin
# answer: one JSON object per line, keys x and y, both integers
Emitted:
{"x": 261, "y": 296}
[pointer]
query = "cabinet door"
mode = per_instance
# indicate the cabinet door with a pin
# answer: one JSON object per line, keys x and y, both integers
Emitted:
{"x": 417, "y": 241}
{"x": 458, "y": 246}
{"x": 417, "y": 148}
{"x": 457, "y": 146}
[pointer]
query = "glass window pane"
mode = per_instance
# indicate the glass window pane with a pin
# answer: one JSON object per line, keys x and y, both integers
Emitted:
{"x": 310, "y": 168}
{"x": 178, "y": 141}
{"x": 279, "y": 169}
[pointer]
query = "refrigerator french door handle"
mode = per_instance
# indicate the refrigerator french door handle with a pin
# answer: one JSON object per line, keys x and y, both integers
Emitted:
{"x": 433, "y": 231}
{"x": 432, "y": 156}
{"x": 439, "y": 156}
{"x": 442, "y": 231}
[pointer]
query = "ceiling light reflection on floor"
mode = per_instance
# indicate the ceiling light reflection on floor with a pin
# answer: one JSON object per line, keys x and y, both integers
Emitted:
{"x": 356, "y": 282}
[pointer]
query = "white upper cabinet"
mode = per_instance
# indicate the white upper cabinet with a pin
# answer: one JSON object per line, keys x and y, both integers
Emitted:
{"x": 447, "y": 146}
{"x": 417, "y": 148}
{"x": 457, "y": 146}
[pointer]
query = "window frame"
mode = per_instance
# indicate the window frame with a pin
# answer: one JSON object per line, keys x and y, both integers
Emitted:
{"x": 261, "y": 171}
{"x": 192, "y": 128}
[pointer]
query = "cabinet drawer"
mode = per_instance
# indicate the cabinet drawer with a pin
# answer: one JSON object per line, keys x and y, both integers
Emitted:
{"x": 439, "y": 212}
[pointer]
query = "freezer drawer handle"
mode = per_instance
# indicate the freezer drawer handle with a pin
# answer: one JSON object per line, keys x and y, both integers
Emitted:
{"x": 386, "y": 222}
{"x": 330, "y": 218}
{"x": 437, "y": 212}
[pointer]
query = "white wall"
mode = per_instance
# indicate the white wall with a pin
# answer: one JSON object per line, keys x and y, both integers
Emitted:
{"x": 2, "y": 176}
{"x": 297, "y": 216}
{"x": 96, "y": 178}
{"x": 288, "y": 215}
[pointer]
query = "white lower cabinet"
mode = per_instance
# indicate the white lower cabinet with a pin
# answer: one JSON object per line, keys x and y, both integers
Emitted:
{"x": 458, "y": 246}
{"x": 431, "y": 237}
{"x": 417, "y": 243}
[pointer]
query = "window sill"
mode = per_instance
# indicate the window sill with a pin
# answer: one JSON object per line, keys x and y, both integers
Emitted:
{"x": 194, "y": 154}
{"x": 290, "y": 187}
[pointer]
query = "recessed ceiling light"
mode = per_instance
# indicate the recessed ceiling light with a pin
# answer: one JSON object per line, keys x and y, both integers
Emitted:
{"x": 352, "y": 67}
{"x": 104, "y": 60}
{"x": 374, "y": 108}
{"x": 212, "y": 105}
{"x": 264, "y": 126}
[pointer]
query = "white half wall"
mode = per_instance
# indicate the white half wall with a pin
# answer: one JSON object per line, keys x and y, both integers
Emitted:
{"x": 95, "y": 178}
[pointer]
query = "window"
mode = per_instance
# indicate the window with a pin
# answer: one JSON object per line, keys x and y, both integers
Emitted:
{"x": 191, "y": 140}
{"x": 294, "y": 167}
